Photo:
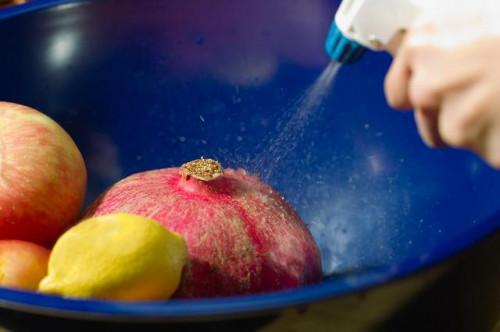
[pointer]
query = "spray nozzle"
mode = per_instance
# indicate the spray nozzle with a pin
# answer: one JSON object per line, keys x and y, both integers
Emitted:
{"x": 340, "y": 48}
{"x": 362, "y": 24}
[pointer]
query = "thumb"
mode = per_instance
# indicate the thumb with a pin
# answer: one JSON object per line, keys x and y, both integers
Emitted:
{"x": 396, "y": 41}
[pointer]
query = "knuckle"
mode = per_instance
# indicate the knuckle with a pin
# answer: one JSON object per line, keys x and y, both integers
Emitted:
{"x": 489, "y": 150}
{"x": 453, "y": 138}
{"x": 494, "y": 160}
{"x": 422, "y": 96}
{"x": 393, "y": 100}
{"x": 457, "y": 131}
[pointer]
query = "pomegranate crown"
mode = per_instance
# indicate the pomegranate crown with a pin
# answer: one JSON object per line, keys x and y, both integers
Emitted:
{"x": 202, "y": 169}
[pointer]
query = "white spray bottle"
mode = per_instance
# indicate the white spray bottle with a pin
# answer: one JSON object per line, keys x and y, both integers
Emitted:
{"x": 372, "y": 24}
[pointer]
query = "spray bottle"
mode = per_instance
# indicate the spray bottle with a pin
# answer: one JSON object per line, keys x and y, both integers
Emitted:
{"x": 369, "y": 24}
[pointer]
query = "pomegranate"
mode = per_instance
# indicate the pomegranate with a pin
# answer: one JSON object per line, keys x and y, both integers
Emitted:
{"x": 242, "y": 236}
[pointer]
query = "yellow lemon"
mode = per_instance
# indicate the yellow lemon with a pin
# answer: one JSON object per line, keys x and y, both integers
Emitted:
{"x": 117, "y": 256}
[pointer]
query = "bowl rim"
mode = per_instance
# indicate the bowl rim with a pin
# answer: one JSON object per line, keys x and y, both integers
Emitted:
{"x": 179, "y": 310}
{"x": 235, "y": 306}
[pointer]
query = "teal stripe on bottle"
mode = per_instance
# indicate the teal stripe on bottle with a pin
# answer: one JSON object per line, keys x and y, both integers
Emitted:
{"x": 341, "y": 48}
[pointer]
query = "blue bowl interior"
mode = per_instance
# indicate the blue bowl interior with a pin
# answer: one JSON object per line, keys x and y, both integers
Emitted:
{"x": 150, "y": 84}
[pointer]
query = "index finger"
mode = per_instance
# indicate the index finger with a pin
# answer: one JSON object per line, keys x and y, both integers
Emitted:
{"x": 397, "y": 80}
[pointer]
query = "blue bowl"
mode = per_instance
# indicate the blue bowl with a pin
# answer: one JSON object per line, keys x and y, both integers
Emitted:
{"x": 152, "y": 84}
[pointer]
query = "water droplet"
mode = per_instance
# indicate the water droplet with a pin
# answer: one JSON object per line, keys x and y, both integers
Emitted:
{"x": 241, "y": 171}
{"x": 200, "y": 40}
{"x": 239, "y": 138}
{"x": 182, "y": 139}
{"x": 202, "y": 118}
{"x": 367, "y": 125}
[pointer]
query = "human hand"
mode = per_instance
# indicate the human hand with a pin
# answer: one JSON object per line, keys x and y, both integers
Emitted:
{"x": 449, "y": 72}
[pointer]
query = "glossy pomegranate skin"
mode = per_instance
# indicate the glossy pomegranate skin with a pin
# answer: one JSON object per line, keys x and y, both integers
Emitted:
{"x": 242, "y": 236}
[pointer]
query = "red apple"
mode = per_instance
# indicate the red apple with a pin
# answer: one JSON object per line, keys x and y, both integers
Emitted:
{"x": 22, "y": 264}
{"x": 42, "y": 176}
